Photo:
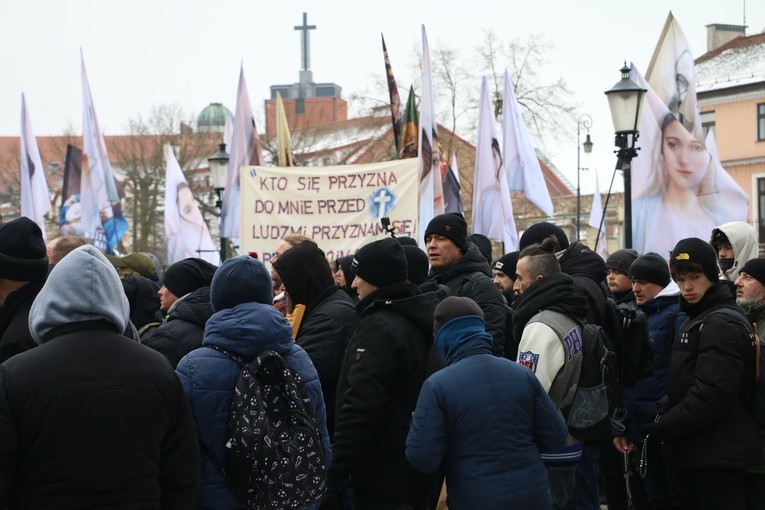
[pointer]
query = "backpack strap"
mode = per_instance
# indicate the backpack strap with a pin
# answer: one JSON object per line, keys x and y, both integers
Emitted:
{"x": 240, "y": 360}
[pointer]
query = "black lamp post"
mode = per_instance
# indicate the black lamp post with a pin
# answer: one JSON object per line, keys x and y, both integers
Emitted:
{"x": 584, "y": 121}
{"x": 219, "y": 171}
{"x": 625, "y": 99}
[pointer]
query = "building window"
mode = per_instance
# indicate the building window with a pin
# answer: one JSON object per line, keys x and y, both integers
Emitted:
{"x": 708, "y": 123}
{"x": 761, "y": 121}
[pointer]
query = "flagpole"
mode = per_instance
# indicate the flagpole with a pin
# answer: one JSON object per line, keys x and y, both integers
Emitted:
{"x": 603, "y": 217}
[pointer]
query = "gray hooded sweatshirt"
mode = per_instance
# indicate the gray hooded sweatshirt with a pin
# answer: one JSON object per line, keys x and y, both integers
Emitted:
{"x": 83, "y": 286}
{"x": 743, "y": 239}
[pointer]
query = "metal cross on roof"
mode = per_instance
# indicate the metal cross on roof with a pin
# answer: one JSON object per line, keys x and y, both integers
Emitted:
{"x": 305, "y": 47}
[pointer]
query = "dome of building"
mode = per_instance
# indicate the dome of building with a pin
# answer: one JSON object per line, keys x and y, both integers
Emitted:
{"x": 213, "y": 118}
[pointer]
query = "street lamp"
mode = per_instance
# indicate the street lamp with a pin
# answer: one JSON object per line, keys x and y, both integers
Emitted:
{"x": 219, "y": 171}
{"x": 625, "y": 99}
{"x": 586, "y": 122}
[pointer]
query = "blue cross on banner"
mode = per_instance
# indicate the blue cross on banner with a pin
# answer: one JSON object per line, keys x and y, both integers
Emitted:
{"x": 380, "y": 203}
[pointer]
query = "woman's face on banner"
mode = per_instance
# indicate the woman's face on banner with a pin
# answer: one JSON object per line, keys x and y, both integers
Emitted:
{"x": 686, "y": 159}
{"x": 186, "y": 207}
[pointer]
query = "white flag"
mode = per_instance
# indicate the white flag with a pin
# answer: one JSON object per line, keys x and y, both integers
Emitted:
{"x": 523, "y": 171}
{"x": 431, "y": 194}
{"x": 186, "y": 234}
{"x": 492, "y": 209}
{"x": 35, "y": 196}
{"x": 245, "y": 150}
{"x": 596, "y": 218}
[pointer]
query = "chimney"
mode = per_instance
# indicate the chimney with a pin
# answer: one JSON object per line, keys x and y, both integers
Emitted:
{"x": 719, "y": 34}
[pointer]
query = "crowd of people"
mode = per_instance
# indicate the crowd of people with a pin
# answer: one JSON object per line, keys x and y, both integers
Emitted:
{"x": 435, "y": 377}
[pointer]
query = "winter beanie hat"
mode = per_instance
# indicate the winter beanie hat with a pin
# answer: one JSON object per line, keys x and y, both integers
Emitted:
{"x": 417, "y": 264}
{"x": 188, "y": 275}
{"x": 756, "y": 269}
{"x": 650, "y": 267}
{"x": 452, "y": 307}
{"x": 538, "y": 232}
{"x": 381, "y": 263}
{"x": 483, "y": 244}
{"x": 507, "y": 262}
{"x": 240, "y": 280}
{"x": 451, "y": 226}
{"x": 345, "y": 263}
{"x": 621, "y": 260}
{"x": 406, "y": 240}
{"x": 695, "y": 251}
{"x": 23, "y": 257}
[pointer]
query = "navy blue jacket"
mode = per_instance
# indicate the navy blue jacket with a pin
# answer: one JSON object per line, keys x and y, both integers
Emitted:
{"x": 664, "y": 321}
{"x": 208, "y": 378}
{"x": 484, "y": 419}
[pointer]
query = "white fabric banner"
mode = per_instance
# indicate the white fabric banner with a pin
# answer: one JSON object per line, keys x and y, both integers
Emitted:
{"x": 35, "y": 196}
{"x": 339, "y": 207}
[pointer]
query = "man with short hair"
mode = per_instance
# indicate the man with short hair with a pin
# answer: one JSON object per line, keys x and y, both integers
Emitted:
{"x": 548, "y": 319}
{"x": 382, "y": 372}
{"x": 706, "y": 420}
{"x": 58, "y": 247}
{"x": 185, "y": 298}
{"x": 735, "y": 243}
{"x": 460, "y": 266}
{"x": 23, "y": 270}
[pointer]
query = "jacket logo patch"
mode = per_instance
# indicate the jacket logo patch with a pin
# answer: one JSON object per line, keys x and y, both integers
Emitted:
{"x": 573, "y": 341}
{"x": 529, "y": 359}
{"x": 359, "y": 352}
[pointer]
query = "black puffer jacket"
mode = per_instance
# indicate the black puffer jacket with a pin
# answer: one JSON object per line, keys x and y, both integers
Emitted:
{"x": 470, "y": 277}
{"x": 14, "y": 315}
{"x": 182, "y": 331}
{"x": 710, "y": 387}
{"x": 383, "y": 370}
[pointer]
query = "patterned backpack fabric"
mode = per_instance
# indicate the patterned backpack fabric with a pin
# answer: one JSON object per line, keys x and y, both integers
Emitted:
{"x": 273, "y": 456}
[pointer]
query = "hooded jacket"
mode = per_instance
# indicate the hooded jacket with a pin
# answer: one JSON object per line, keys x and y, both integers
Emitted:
{"x": 462, "y": 424}
{"x": 14, "y": 321}
{"x": 382, "y": 373}
{"x": 182, "y": 331}
{"x": 208, "y": 378}
{"x": 470, "y": 276}
{"x": 143, "y": 299}
{"x": 329, "y": 319}
{"x": 710, "y": 386}
{"x": 91, "y": 418}
{"x": 588, "y": 269}
{"x": 743, "y": 239}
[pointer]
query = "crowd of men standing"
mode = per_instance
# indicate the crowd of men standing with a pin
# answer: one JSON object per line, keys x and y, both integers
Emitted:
{"x": 429, "y": 372}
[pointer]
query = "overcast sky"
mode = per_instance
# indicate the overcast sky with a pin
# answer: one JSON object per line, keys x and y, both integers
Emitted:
{"x": 151, "y": 52}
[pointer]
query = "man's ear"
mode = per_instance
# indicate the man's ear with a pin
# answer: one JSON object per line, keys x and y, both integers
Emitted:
{"x": 539, "y": 277}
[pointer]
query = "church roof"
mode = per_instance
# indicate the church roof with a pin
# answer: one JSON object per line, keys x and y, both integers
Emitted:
{"x": 737, "y": 63}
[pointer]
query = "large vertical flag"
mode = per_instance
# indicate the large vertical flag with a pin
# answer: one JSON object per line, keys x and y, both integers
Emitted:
{"x": 408, "y": 145}
{"x": 523, "y": 171}
{"x": 666, "y": 209}
{"x": 396, "y": 106}
{"x": 245, "y": 150}
{"x": 101, "y": 212}
{"x": 492, "y": 209}
{"x": 70, "y": 221}
{"x": 186, "y": 233}
{"x": 285, "y": 157}
{"x": 431, "y": 195}
{"x": 597, "y": 221}
{"x": 452, "y": 188}
{"x": 35, "y": 196}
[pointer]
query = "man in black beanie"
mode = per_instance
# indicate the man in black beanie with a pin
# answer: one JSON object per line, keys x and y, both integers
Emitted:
{"x": 23, "y": 270}
{"x": 185, "y": 298}
{"x": 617, "y": 276}
{"x": 504, "y": 274}
{"x": 380, "y": 379}
{"x": 460, "y": 266}
{"x": 706, "y": 420}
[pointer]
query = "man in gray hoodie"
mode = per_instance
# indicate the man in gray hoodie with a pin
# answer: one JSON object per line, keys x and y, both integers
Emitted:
{"x": 90, "y": 418}
{"x": 735, "y": 243}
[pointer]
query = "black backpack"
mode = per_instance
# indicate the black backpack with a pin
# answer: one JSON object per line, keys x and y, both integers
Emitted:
{"x": 273, "y": 457}
{"x": 595, "y": 408}
{"x": 631, "y": 342}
